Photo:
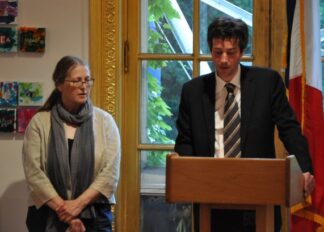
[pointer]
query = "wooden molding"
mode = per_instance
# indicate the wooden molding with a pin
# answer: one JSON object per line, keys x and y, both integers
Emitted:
{"x": 105, "y": 63}
{"x": 105, "y": 54}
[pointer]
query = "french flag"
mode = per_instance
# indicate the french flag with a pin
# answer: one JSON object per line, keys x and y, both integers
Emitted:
{"x": 304, "y": 81}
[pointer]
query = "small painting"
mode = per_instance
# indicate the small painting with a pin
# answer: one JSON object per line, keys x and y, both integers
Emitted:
{"x": 30, "y": 93}
{"x": 8, "y": 39}
{"x": 31, "y": 39}
{"x": 8, "y": 93}
{"x": 8, "y": 11}
{"x": 24, "y": 115}
{"x": 7, "y": 120}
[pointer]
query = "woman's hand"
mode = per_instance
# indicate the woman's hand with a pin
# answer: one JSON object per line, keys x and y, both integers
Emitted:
{"x": 70, "y": 210}
{"x": 76, "y": 225}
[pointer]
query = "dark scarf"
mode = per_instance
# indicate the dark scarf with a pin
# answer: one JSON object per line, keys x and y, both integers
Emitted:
{"x": 79, "y": 175}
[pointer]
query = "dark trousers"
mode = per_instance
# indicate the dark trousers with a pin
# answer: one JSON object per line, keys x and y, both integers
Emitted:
{"x": 225, "y": 220}
{"x": 102, "y": 222}
{"x": 232, "y": 220}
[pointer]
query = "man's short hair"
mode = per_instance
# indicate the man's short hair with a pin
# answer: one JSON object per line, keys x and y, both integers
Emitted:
{"x": 228, "y": 28}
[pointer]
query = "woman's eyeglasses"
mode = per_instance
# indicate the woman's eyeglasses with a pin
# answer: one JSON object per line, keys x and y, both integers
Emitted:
{"x": 80, "y": 83}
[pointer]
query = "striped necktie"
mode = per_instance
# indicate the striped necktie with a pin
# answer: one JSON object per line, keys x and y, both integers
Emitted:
{"x": 232, "y": 144}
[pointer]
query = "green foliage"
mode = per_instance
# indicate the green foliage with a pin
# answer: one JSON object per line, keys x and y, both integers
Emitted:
{"x": 157, "y": 109}
{"x": 156, "y": 159}
{"x": 159, "y": 8}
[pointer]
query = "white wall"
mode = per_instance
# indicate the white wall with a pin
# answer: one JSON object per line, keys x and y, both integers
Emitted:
{"x": 66, "y": 23}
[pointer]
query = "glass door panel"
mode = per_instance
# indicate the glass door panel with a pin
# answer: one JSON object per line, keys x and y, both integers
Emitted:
{"x": 209, "y": 9}
{"x": 153, "y": 172}
{"x": 322, "y": 42}
{"x": 161, "y": 83}
{"x": 206, "y": 67}
{"x": 156, "y": 214}
{"x": 166, "y": 26}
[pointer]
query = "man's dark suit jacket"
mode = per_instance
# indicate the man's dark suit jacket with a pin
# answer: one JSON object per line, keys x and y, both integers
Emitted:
{"x": 263, "y": 105}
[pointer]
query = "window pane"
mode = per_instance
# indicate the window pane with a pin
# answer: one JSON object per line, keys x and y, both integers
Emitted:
{"x": 159, "y": 216}
{"x": 206, "y": 67}
{"x": 209, "y": 9}
{"x": 322, "y": 42}
{"x": 246, "y": 63}
{"x": 153, "y": 165}
{"x": 161, "y": 84}
{"x": 322, "y": 26}
{"x": 323, "y": 84}
{"x": 166, "y": 26}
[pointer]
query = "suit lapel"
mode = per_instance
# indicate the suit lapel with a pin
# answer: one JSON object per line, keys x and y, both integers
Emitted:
{"x": 208, "y": 100}
{"x": 247, "y": 99}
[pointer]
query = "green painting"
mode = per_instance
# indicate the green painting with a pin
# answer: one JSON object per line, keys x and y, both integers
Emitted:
{"x": 30, "y": 94}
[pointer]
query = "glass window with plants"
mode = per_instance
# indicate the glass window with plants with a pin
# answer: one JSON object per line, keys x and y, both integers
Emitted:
{"x": 166, "y": 46}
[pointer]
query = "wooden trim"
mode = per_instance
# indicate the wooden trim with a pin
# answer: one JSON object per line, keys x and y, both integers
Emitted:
{"x": 277, "y": 56}
{"x": 105, "y": 54}
{"x": 130, "y": 197}
{"x": 261, "y": 33}
{"x": 105, "y": 63}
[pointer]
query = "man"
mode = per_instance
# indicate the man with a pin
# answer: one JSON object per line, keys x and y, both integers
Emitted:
{"x": 259, "y": 96}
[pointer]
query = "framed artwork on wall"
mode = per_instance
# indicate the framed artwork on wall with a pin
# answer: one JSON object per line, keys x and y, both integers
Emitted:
{"x": 19, "y": 102}
{"x": 32, "y": 39}
{"x": 7, "y": 120}
{"x": 8, "y": 39}
{"x": 8, "y": 93}
{"x": 24, "y": 115}
{"x": 30, "y": 93}
{"x": 8, "y": 11}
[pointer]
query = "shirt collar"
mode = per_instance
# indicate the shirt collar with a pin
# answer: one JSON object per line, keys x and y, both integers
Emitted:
{"x": 220, "y": 83}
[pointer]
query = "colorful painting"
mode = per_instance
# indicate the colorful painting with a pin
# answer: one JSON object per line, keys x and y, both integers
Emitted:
{"x": 30, "y": 94}
{"x": 31, "y": 39}
{"x": 8, "y": 39}
{"x": 24, "y": 115}
{"x": 8, "y": 93}
{"x": 8, "y": 11}
{"x": 7, "y": 120}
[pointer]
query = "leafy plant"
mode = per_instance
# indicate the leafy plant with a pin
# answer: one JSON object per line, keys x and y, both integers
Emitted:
{"x": 157, "y": 109}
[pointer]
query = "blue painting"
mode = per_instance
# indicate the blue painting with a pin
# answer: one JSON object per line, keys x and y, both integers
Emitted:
{"x": 8, "y": 93}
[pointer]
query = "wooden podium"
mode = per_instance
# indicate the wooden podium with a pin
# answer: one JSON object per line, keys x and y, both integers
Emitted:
{"x": 228, "y": 183}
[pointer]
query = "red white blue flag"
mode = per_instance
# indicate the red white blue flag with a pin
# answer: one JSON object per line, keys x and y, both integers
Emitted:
{"x": 304, "y": 80}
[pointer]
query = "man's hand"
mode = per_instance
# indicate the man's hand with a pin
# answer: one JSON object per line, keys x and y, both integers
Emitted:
{"x": 309, "y": 184}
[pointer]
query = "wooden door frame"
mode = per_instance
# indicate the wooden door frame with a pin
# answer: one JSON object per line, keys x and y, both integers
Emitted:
{"x": 108, "y": 22}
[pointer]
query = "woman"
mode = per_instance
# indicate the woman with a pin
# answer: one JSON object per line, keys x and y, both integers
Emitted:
{"x": 71, "y": 157}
